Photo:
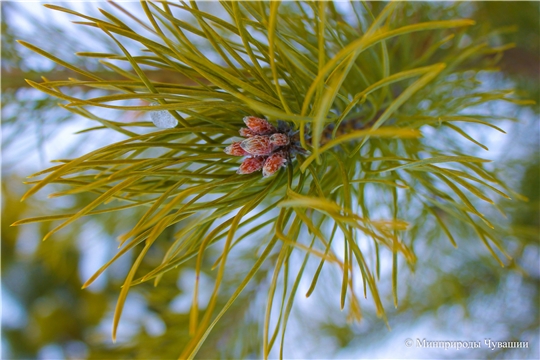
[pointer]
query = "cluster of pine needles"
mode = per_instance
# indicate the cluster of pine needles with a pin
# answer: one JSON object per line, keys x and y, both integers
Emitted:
{"x": 360, "y": 90}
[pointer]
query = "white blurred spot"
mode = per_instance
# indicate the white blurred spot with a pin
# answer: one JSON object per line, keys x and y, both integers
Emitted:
{"x": 51, "y": 351}
{"x": 13, "y": 314}
{"x": 163, "y": 119}
{"x": 186, "y": 282}
{"x": 94, "y": 254}
{"x": 76, "y": 350}
{"x": 154, "y": 325}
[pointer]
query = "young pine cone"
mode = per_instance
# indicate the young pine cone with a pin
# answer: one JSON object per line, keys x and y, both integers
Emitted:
{"x": 265, "y": 147}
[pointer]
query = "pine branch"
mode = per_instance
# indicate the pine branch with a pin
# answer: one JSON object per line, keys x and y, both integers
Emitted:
{"x": 335, "y": 113}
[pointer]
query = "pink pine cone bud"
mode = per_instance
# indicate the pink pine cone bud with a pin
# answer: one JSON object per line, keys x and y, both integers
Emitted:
{"x": 258, "y": 145}
{"x": 259, "y": 126}
{"x": 250, "y": 165}
{"x": 235, "y": 149}
{"x": 273, "y": 163}
{"x": 279, "y": 139}
{"x": 245, "y": 132}
{"x": 265, "y": 146}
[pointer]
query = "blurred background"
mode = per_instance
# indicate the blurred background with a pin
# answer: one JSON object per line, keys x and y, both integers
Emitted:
{"x": 452, "y": 294}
